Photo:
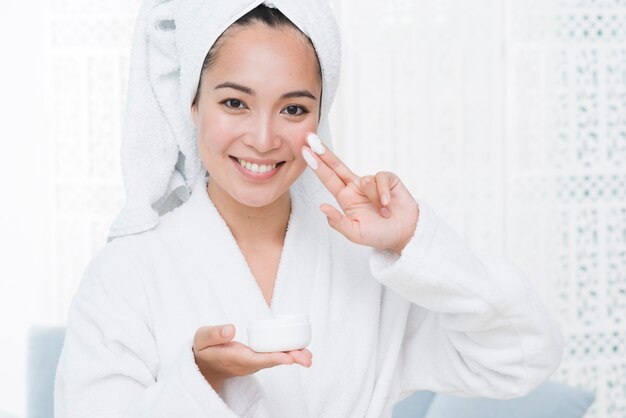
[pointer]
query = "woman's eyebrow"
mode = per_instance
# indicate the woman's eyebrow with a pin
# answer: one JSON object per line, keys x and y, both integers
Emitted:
{"x": 235, "y": 86}
{"x": 298, "y": 93}
{"x": 251, "y": 92}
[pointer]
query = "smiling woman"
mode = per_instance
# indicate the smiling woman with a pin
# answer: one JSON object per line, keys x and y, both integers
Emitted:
{"x": 157, "y": 327}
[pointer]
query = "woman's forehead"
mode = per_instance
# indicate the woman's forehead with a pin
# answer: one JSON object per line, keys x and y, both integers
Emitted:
{"x": 256, "y": 51}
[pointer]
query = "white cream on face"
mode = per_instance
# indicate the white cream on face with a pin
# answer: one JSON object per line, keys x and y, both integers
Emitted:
{"x": 315, "y": 144}
{"x": 308, "y": 157}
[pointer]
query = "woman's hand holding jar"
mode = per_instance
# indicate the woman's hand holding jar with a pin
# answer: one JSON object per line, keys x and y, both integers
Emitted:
{"x": 219, "y": 358}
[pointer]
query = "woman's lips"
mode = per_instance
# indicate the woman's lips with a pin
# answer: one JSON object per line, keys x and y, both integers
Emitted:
{"x": 251, "y": 169}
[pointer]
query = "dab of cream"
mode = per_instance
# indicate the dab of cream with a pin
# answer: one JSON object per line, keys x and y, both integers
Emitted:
{"x": 315, "y": 144}
{"x": 310, "y": 160}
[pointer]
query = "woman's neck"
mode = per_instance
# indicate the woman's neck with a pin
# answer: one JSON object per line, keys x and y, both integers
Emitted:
{"x": 252, "y": 225}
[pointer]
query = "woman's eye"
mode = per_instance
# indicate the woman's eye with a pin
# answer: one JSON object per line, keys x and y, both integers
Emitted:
{"x": 234, "y": 103}
{"x": 293, "y": 110}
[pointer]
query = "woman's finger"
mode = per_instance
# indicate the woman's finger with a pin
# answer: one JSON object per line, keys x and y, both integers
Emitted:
{"x": 340, "y": 222}
{"x": 328, "y": 177}
{"x": 244, "y": 357}
{"x": 385, "y": 181}
{"x": 265, "y": 360}
{"x": 369, "y": 188}
{"x": 208, "y": 336}
{"x": 331, "y": 160}
{"x": 302, "y": 357}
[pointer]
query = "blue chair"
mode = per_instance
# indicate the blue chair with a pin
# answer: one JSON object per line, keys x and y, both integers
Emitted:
{"x": 44, "y": 349}
{"x": 549, "y": 400}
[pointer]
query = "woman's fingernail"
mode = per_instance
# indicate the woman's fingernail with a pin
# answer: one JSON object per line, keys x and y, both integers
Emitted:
{"x": 315, "y": 144}
{"x": 385, "y": 199}
{"x": 310, "y": 160}
{"x": 385, "y": 212}
{"x": 227, "y": 331}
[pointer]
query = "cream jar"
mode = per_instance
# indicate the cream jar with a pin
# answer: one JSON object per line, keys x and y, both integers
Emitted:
{"x": 279, "y": 333}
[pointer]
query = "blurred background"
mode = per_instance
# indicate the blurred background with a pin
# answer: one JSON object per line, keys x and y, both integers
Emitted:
{"x": 507, "y": 116}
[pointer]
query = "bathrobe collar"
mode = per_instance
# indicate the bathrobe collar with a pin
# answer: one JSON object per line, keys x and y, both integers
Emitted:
{"x": 298, "y": 267}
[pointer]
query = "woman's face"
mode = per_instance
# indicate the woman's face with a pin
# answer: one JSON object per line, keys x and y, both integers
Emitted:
{"x": 255, "y": 106}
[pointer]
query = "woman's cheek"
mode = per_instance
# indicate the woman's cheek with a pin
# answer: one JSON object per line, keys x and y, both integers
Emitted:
{"x": 217, "y": 131}
{"x": 300, "y": 131}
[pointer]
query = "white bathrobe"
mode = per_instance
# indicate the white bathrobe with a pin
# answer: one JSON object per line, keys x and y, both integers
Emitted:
{"x": 439, "y": 318}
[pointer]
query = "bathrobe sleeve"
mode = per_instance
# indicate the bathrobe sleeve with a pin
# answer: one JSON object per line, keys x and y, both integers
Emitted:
{"x": 475, "y": 325}
{"x": 109, "y": 364}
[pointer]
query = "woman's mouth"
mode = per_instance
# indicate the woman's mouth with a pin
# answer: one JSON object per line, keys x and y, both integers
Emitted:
{"x": 257, "y": 170}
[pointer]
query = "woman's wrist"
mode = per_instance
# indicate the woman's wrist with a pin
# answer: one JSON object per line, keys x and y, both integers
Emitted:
{"x": 399, "y": 248}
{"x": 215, "y": 381}
{"x": 216, "y": 384}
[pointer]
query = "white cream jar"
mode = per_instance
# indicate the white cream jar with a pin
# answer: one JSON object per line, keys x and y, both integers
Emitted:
{"x": 279, "y": 333}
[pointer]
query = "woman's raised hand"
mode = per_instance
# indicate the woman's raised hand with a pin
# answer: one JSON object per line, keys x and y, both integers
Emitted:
{"x": 219, "y": 358}
{"x": 378, "y": 210}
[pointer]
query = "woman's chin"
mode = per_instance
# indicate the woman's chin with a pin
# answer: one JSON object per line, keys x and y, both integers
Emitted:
{"x": 256, "y": 201}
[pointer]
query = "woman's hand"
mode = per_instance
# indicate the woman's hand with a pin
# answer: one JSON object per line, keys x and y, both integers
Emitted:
{"x": 219, "y": 358}
{"x": 378, "y": 211}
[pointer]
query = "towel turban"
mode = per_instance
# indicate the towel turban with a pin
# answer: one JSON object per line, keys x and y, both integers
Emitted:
{"x": 160, "y": 159}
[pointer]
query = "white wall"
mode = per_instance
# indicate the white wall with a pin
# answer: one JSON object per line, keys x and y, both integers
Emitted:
{"x": 26, "y": 193}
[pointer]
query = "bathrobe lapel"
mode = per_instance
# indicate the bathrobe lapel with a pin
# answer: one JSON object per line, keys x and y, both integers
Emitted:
{"x": 219, "y": 263}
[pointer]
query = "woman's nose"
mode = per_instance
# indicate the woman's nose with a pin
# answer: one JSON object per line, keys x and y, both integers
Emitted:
{"x": 264, "y": 137}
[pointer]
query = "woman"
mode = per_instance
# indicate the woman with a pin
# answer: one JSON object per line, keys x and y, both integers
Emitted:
{"x": 397, "y": 301}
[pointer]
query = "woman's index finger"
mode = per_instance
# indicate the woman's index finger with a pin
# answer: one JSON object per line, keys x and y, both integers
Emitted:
{"x": 327, "y": 176}
{"x": 331, "y": 160}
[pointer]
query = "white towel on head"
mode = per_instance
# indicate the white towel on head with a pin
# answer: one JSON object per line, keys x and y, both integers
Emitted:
{"x": 160, "y": 159}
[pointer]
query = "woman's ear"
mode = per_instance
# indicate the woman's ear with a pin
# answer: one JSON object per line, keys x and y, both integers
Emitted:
{"x": 194, "y": 113}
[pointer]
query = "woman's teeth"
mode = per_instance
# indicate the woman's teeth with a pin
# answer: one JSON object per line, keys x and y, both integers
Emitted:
{"x": 256, "y": 168}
